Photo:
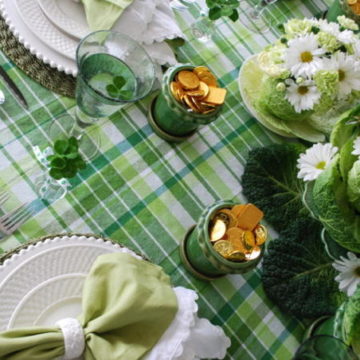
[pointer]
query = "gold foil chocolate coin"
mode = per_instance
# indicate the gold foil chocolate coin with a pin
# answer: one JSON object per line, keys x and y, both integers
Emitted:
{"x": 188, "y": 80}
{"x": 261, "y": 234}
{"x": 218, "y": 231}
{"x": 224, "y": 248}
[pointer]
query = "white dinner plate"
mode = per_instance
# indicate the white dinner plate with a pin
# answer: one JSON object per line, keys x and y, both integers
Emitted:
{"x": 31, "y": 42}
{"x": 42, "y": 284}
{"x": 40, "y": 25}
{"x": 68, "y": 15}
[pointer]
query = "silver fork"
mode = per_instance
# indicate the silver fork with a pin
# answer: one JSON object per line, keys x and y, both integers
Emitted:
{"x": 4, "y": 196}
{"x": 14, "y": 219}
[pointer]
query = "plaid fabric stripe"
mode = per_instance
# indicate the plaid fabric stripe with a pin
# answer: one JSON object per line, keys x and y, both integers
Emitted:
{"x": 146, "y": 193}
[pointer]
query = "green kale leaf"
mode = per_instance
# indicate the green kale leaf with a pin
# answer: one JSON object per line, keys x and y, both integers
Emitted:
{"x": 270, "y": 182}
{"x": 297, "y": 273}
{"x": 351, "y": 321}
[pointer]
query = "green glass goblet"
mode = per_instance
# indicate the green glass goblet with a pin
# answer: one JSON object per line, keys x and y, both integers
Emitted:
{"x": 113, "y": 71}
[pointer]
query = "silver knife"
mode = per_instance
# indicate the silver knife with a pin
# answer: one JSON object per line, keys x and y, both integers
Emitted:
{"x": 15, "y": 90}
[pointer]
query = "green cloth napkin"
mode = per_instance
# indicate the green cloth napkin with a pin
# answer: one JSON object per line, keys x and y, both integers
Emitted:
{"x": 127, "y": 306}
{"x": 102, "y": 14}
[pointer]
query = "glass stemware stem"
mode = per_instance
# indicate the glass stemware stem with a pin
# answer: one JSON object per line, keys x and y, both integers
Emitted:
{"x": 257, "y": 11}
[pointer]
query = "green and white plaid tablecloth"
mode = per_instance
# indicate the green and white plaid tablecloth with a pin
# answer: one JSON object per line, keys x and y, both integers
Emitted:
{"x": 146, "y": 193}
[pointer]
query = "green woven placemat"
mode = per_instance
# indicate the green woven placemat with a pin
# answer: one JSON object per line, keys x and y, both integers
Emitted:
{"x": 44, "y": 74}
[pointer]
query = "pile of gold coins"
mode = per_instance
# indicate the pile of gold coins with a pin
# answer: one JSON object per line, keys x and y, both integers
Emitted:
{"x": 197, "y": 90}
{"x": 355, "y": 6}
{"x": 236, "y": 233}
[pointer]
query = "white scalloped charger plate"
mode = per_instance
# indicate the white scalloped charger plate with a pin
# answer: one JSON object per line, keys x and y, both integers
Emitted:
{"x": 31, "y": 42}
{"x": 35, "y": 19}
{"x": 58, "y": 265}
{"x": 68, "y": 15}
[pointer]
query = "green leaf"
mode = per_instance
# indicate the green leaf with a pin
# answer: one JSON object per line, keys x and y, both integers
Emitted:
{"x": 125, "y": 94}
{"x": 270, "y": 182}
{"x": 351, "y": 320}
{"x": 69, "y": 171}
{"x": 61, "y": 146}
{"x": 51, "y": 157}
{"x": 334, "y": 210}
{"x": 215, "y": 13}
{"x": 226, "y": 11}
{"x": 112, "y": 90}
{"x": 297, "y": 273}
{"x": 72, "y": 155}
{"x": 79, "y": 163}
{"x": 234, "y": 16}
{"x": 211, "y": 3}
{"x": 58, "y": 163}
{"x": 119, "y": 82}
{"x": 56, "y": 173}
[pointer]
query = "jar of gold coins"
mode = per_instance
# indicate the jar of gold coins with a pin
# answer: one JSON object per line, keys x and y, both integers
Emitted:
{"x": 190, "y": 97}
{"x": 228, "y": 239}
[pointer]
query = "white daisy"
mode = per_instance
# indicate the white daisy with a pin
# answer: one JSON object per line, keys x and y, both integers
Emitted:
{"x": 346, "y": 37}
{"x": 356, "y": 150}
{"x": 349, "y": 73}
{"x": 315, "y": 160}
{"x": 302, "y": 96}
{"x": 302, "y": 56}
{"x": 349, "y": 277}
{"x": 331, "y": 28}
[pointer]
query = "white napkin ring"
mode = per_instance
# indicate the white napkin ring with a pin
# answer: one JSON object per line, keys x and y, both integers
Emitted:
{"x": 74, "y": 339}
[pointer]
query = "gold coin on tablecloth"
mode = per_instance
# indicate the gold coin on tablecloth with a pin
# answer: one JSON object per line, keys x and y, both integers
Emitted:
{"x": 188, "y": 80}
{"x": 223, "y": 247}
{"x": 261, "y": 234}
{"x": 218, "y": 230}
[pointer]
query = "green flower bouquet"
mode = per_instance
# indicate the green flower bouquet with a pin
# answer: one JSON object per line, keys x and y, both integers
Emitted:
{"x": 298, "y": 86}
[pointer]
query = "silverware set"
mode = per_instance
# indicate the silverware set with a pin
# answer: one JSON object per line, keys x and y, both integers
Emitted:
{"x": 12, "y": 220}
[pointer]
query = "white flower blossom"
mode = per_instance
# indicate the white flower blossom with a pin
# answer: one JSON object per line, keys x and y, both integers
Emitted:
{"x": 349, "y": 277}
{"x": 315, "y": 160}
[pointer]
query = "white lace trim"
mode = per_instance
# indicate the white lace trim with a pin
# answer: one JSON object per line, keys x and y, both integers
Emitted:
{"x": 188, "y": 337}
{"x": 74, "y": 339}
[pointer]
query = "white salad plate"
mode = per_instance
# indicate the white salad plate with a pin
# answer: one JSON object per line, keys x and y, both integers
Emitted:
{"x": 43, "y": 282}
{"x": 32, "y": 42}
{"x": 68, "y": 15}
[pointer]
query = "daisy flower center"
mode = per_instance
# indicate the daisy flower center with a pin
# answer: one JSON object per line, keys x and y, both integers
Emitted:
{"x": 341, "y": 75}
{"x": 302, "y": 90}
{"x": 306, "y": 56}
{"x": 357, "y": 271}
{"x": 321, "y": 165}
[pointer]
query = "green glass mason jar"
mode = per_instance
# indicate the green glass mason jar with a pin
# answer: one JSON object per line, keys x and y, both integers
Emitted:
{"x": 170, "y": 119}
{"x": 198, "y": 254}
{"x": 341, "y": 7}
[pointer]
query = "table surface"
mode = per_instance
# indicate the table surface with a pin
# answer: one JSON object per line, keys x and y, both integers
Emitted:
{"x": 145, "y": 193}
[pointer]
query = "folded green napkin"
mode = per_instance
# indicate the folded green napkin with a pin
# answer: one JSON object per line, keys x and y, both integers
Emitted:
{"x": 102, "y": 14}
{"x": 127, "y": 306}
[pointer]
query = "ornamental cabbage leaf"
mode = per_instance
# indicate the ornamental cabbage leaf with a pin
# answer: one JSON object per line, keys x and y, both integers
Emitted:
{"x": 333, "y": 209}
{"x": 351, "y": 321}
{"x": 297, "y": 273}
{"x": 353, "y": 188}
{"x": 270, "y": 182}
